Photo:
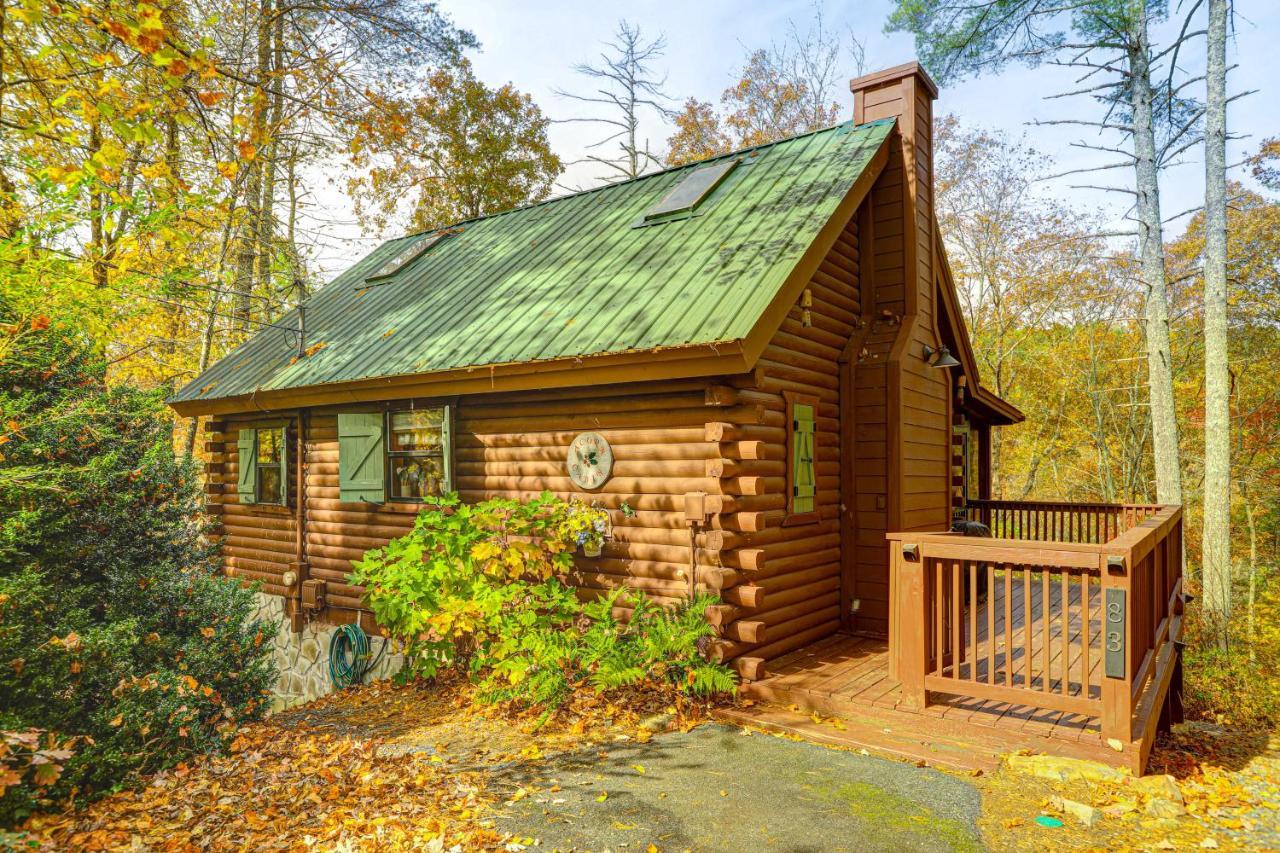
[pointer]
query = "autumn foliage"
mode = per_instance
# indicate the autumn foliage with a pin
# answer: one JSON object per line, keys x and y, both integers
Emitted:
{"x": 122, "y": 651}
{"x": 480, "y": 588}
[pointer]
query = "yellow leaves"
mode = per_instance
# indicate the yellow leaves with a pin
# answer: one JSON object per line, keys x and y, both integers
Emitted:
{"x": 228, "y": 169}
{"x": 29, "y": 12}
{"x": 71, "y": 642}
{"x": 155, "y": 170}
{"x": 604, "y": 795}
{"x": 207, "y": 632}
{"x": 485, "y": 550}
{"x": 117, "y": 721}
{"x": 639, "y": 768}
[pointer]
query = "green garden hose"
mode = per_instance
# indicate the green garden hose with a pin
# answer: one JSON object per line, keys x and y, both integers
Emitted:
{"x": 349, "y": 659}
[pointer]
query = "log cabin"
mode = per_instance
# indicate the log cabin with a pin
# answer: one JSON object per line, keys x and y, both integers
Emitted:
{"x": 762, "y": 356}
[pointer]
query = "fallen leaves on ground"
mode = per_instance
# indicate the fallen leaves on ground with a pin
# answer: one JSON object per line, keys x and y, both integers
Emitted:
{"x": 288, "y": 783}
{"x": 378, "y": 767}
{"x": 1228, "y": 782}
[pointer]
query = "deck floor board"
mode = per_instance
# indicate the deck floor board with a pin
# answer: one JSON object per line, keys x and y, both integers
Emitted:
{"x": 848, "y": 676}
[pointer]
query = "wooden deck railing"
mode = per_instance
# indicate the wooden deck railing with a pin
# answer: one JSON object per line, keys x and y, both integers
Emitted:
{"x": 1057, "y": 522}
{"x": 1047, "y": 614}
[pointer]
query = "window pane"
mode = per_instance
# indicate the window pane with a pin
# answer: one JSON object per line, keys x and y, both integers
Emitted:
{"x": 417, "y": 431}
{"x": 408, "y": 254}
{"x": 269, "y": 484}
{"x": 692, "y": 189}
{"x": 416, "y": 476}
{"x": 269, "y": 441}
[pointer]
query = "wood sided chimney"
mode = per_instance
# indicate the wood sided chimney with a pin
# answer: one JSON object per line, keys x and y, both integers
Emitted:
{"x": 906, "y": 93}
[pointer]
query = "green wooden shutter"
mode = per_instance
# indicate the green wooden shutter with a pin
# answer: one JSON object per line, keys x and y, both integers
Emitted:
{"x": 247, "y": 474}
{"x": 361, "y": 459}
{"x": 446, "y": 447}
{"x": 284, "y": 465}
{"x": 802, "y": 481}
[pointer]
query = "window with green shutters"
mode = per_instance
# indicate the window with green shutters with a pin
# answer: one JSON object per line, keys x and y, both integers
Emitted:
{"x": 262, "y": 454}
{"x": 802, "y": 481}
{"x": 397, "y": 456}
{"x": 361, "y": 458}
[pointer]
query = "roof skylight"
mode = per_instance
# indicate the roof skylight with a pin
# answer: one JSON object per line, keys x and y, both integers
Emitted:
{"x": 410, "y": 253}
{"x": 691, "y": 191}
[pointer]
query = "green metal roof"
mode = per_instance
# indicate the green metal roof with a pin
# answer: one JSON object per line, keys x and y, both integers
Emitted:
{"x": 575, "y": 276}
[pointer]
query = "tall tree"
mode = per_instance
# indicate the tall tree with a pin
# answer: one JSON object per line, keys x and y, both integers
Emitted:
{"x": 1109, "y": 40}
{"x": 628, "y": 87}
{"x": 1020, "y": 259}
{"x": 458, "y": 151}
{"x": 1216, "y": 549}
{"x": 793, "y": 86}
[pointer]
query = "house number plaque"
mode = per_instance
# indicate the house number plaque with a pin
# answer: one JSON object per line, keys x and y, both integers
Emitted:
{"x": 1113, "y": 633}
{"x": 590, "y": 460}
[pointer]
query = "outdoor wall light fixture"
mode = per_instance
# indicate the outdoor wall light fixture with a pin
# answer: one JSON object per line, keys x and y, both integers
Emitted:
{"x": 940, "y": 357}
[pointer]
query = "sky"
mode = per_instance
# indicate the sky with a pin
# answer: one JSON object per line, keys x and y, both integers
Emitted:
{"x": 535, "y": 46}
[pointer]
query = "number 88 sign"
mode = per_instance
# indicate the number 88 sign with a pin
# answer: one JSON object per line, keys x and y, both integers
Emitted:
{"x": 1113, "y": 630}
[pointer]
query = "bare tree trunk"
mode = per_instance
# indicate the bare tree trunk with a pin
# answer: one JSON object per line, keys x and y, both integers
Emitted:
{"x": 251, "y": 220}
{"x": 271, "y": 150}
{"x": 1216, "y": 569}
{"x": 1251, "y": 626}
{"x": 1164, "y": 423}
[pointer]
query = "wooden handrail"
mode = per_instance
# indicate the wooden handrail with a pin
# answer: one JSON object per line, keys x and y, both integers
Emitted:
{"x": 1083, "y": 623}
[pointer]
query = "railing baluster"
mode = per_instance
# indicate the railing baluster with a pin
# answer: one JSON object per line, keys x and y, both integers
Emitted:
{"x": 1066, "y": 632}
{"x": 973, "y": 618}
{"x": 957, "y": 621}
{"x": 939, "y": 627}
{"x": 1084, "y": 634}
{"x": 1008, "y": 624}
{"x": 991, "y": 623}
{"x": 1027, "y": 624}
{"x": 1046, "y": 657}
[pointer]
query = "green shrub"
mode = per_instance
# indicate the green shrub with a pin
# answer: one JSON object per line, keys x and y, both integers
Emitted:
{"x": 116, "y": 630}
{"x": 1238, "y": 686}
{"x": 656, "y": 646}
{"x": 479, "y": 587}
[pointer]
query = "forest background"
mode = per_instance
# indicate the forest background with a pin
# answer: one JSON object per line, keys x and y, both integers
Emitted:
{"x": 175, "y": 175}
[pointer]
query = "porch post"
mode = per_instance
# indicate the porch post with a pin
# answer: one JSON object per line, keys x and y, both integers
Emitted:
{"x": 909, "y": 640}
{"x": 1117, "y": 649}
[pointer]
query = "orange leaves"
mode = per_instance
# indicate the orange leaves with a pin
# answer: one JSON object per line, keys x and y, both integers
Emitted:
{"x": 211, "y": 99}
{"x": 22, "y": 753}
{"x": 247, "y": 150}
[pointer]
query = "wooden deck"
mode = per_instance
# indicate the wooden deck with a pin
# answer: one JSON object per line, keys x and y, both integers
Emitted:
{"x": 847, "y": 677}
{"x": 997, "y": 644}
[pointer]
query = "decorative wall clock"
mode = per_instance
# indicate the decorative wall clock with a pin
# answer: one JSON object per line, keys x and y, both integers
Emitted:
{"x": 590, "y": 460}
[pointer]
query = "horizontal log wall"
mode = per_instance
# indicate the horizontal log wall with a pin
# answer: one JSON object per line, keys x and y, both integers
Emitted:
{"x": 260, "y": 541}
{"x": 516, "y": 446}
{"x": 800, "y": 564}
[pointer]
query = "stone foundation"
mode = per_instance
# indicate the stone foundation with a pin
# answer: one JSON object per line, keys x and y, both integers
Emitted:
{"x": 302, "y": 659}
